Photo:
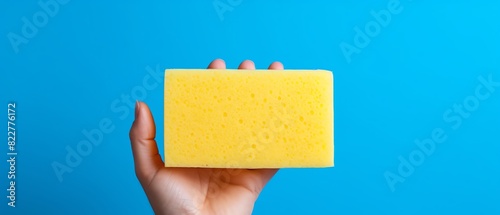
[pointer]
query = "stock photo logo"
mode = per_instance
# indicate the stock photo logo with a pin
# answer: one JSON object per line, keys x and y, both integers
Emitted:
{"x": 250, "y": 107}
{"x": 123, "y": 106}
{"x": 455, "y": 116}
{"x": 223, "y": 6}
{"x": 31, "y": 25}
{"x": 250, "y": 149}
{"x": 365, "y": 34}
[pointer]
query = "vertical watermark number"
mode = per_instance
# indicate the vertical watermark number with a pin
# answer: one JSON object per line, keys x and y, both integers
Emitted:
{"x": 11, "y": 153}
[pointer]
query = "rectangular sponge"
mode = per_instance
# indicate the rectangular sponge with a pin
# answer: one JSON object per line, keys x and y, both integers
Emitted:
{"x": 248, "y": 118}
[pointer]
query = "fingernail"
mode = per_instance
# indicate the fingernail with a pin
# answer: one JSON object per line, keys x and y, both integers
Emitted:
{"x": 137, "y": 106}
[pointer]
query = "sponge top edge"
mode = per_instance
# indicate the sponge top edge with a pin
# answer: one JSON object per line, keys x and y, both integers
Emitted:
{"x": 246, "y": 70}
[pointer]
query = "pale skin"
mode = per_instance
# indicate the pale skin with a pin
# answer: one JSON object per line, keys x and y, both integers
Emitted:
{"x": 186, "y": 190}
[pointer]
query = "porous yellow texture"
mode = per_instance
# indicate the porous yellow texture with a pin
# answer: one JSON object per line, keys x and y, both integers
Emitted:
{"x": 248, "y": 118}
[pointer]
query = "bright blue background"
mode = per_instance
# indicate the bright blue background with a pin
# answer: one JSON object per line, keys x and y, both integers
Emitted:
{"x": 394, "y": 91}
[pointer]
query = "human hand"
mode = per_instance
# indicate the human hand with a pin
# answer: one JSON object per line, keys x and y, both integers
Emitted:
{"x": 191, "y": 190}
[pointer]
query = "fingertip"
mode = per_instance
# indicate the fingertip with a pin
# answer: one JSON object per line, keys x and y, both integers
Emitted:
{"x": 276, "y": 66}
{"x": 137, "y": 106}
{"x": 147, "y": 160}
{"x": 247, "y": 64}
{"x": 143, "y": 126}
{"x": 217, "y": 64}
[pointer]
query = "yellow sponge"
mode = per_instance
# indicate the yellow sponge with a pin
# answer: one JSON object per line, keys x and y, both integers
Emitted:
{"x": 248, "y": 118}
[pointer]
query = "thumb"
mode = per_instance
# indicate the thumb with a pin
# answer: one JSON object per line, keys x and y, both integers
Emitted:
{"x": 142, "y": 136}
